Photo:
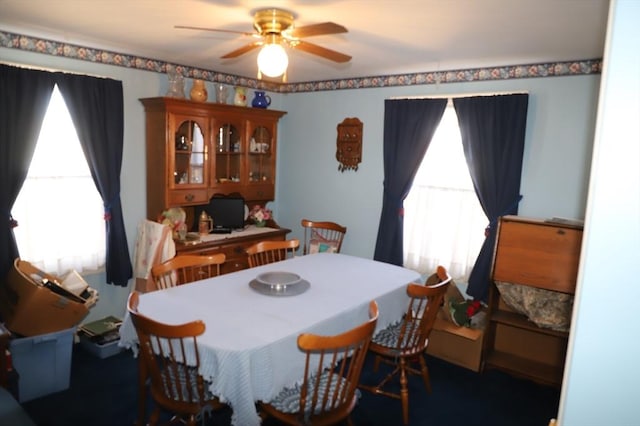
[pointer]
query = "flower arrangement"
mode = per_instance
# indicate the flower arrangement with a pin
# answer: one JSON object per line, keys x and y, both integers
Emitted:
{"x": 260, "y": 215}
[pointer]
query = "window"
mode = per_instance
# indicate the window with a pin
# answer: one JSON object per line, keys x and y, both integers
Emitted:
{"x": 443, "y": 222}
{"x": 59, "y": 210}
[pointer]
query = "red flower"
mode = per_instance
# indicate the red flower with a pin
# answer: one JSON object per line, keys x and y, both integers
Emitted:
{"x": 470, "y": 311}
{"x": 473, "y": 308}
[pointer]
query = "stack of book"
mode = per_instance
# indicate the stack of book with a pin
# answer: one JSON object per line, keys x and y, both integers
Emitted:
{"x": 103, "y": 331}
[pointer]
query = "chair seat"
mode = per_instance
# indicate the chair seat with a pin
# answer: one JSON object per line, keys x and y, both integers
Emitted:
{"x": 186, "y": 375}
{"x": 388, "y": 337}
{"x": 288, "y": 400}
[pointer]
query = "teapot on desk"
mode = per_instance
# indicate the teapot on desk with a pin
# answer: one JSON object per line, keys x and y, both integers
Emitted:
{"x": 205, "y": 223}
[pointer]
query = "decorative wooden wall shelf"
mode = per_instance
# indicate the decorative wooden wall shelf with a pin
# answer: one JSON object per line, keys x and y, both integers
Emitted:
{"x": 349, "y": 144}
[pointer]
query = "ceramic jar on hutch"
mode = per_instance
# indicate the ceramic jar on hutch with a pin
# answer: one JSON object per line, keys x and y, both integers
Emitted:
{"x": 260, "y": 100}
{"x": 240, "y": 96}
{"x": 198, "y": 91}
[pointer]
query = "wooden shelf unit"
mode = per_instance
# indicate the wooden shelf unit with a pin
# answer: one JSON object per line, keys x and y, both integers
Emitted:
{"x": 539, "y": 254}
{"x": 197, "y": 149}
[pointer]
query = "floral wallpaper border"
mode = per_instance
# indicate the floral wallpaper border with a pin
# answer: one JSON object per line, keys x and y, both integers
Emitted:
{"x": 55, "y": 48}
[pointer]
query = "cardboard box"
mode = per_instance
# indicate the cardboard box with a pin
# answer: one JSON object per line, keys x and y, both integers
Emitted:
{"x": 43, "y": 363}
{"x": 29, "y": 308}
{"x": 458, "y": 345}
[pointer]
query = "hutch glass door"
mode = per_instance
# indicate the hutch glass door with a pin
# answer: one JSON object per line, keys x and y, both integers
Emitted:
{"x": 189, "y": 155}
{"x": 260, "y": 153}
{"x": 228, "y": 145}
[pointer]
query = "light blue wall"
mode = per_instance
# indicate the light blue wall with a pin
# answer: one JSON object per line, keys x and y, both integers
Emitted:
{"x": 560, "y": 123}
{"x": 556, "y": 164}
{"x": 602, "y": 375}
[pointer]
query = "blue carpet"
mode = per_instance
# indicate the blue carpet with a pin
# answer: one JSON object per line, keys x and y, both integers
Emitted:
{"x": 104, "y": 392}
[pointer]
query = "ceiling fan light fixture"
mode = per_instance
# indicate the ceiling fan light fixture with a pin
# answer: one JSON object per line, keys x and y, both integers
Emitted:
{"x": 273, "y": 60}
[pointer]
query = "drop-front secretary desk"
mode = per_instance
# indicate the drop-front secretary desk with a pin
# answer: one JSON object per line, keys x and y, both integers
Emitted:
{"x": 543, "y": 256}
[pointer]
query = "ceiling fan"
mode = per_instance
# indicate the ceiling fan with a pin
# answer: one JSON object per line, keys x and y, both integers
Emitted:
{"x": 274, "y": 29}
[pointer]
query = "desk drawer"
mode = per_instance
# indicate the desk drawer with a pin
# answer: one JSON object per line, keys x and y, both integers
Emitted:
{"x": 236, "y": 259}
{"x": 185, "y": 197}
{"x": 259, "y": 192}
{"x": 234, "y": 250}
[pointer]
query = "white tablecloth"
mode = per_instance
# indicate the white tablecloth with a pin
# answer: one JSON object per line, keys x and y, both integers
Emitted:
{"x": 249, "y": 349}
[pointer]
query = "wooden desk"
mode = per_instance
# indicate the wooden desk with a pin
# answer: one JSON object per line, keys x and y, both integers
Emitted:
{"x": 249, "y": 349}
{"x": 233, "y": 245}
{"x": 542, "y": 255}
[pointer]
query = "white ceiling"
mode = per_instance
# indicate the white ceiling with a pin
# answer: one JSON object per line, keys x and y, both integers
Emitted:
{"x": 385, "y": 37}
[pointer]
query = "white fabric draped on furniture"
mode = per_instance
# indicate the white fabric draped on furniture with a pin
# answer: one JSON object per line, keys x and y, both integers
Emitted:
{"x": 154, "y": 245}
{"x": 249, "y": 349}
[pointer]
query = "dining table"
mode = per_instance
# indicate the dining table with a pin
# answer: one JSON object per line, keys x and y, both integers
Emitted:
{"x": 248, "y": 352}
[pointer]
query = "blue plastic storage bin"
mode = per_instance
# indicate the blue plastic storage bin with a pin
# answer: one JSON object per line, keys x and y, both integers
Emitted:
{"x": 101, "y": 351}
{"x": 43, "y": 363}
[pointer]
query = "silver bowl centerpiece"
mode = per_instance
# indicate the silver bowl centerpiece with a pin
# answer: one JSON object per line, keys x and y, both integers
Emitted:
{"x": 278, "y": 280}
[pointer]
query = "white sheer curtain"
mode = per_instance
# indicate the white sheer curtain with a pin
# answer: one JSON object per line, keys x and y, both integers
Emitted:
{"x": 443, "y": 221}
{"x": 59, "y": 210}
{"x": 197, "y": 156}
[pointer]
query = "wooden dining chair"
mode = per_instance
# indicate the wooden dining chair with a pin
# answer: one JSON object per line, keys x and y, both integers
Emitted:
{"x": 176, "y": 385}
{"x": 322, "y": 236}
{"x": 186, "y": 268}
{"x": 404, "y": 342}
{"x": 266, "y": 252}
{"x": 332, "y": 370}
{"x": 439, "y": 275}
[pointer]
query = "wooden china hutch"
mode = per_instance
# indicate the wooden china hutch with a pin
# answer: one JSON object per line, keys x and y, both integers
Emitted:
{"x": 197, "y": 149}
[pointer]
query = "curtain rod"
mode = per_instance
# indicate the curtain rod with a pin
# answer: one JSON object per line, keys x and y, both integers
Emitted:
{"x": 460, "y": 95}
{"x": 47, "y": 69}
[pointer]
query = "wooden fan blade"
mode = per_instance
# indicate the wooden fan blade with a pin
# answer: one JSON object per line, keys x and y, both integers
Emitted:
{"x": 244, "y": 49}
{"x": 317, "y": 29}
{"x": 314, "y": 49}
{"x": 218, "y": 30}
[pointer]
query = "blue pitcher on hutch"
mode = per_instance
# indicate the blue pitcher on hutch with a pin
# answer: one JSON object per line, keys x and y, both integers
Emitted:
{"x": 260, "y": 100}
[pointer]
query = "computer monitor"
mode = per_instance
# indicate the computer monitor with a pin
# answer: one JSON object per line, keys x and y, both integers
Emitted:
{"x": 227, "y": 212}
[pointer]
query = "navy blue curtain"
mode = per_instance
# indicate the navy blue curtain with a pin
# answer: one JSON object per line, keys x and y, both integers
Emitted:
{"x": 96, "y": 107}
{"x": 24, "y": 98}
{"x": 493, "y": 132}
{"x": 409, "y": 126}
